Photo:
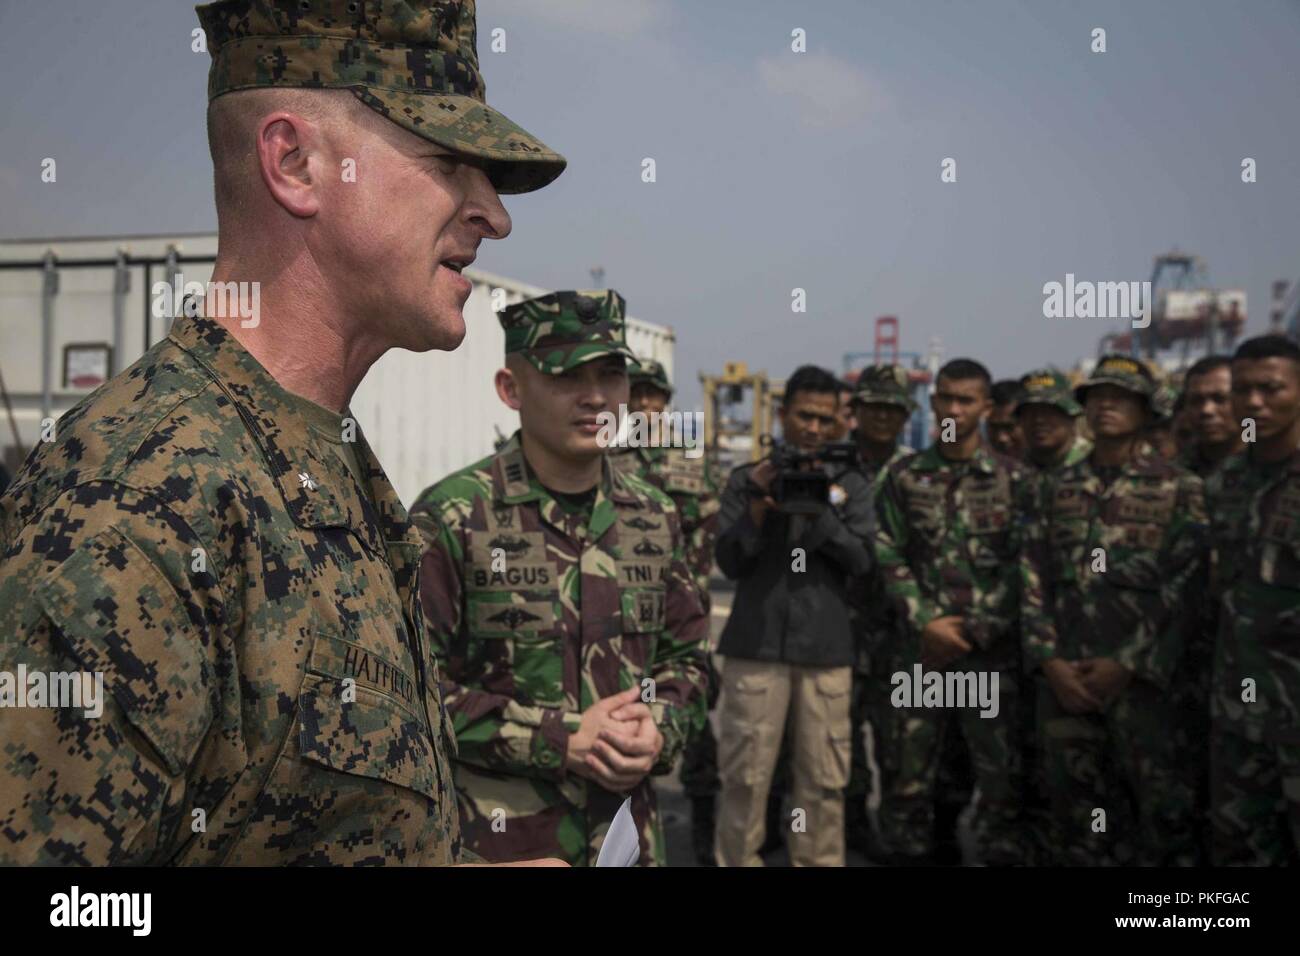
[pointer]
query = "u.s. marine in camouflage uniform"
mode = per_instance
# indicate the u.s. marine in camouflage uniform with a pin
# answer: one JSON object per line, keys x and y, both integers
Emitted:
{"x": 948, "y": 536}
{"x": 1114, "y": 542}
{"x": 689, "y": 481}
{"x": 245, "y": 586}
{"x": 545, "y": 605}
{"x": 1254, "y": 502}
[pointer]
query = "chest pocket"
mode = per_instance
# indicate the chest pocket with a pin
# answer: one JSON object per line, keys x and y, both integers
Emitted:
{"x": 642, "y": 566}
{"x": 926, "y": 511}
{"x": 987, "y": 513}
{"x": 1141, "y": 518}
{"x": 684, "y": 476}
{"x": 1068, "y": 518}
{"x": 1280, "y": 553}
{"x": 515, "y": 642}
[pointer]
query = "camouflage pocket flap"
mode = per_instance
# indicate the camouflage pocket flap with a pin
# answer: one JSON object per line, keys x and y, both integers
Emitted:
{"x": 365, "y": 737}
{"x": 118, "y": 615}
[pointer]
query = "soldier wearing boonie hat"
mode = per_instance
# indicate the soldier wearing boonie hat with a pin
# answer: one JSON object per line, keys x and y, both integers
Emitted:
{"x": 882, "y": 403}
{"x": 649, "y": 372}
{"x": 414, "y": 62}
{"x": 536, "y": 555}
{"x": 1116, "y": 541}
{"x": 1051, "y": 440}
{"x": 1121, "y": 371}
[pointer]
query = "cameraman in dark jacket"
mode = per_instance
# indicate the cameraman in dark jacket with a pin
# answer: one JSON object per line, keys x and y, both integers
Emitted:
{"x": 789, "y": 644}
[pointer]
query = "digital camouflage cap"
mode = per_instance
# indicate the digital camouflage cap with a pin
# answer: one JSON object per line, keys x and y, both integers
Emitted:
{"x": 1122, "y": 371}
{"x": 1048, "y": 386}
{"x": 413, "y": 61}
{"x": 562, "y": 330}
{"x": 649, "y": 372}
{"x": 883, "y": 384}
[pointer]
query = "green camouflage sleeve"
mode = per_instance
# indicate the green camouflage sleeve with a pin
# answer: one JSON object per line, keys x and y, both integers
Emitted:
{"x": 701, "y": 530}
{"x": 680, "y": 670}
{"x": 1154, "y": 649}
{"x": 1037, "y": 628}
{"x": 492, "y": 731}
{"x": 104, "y": 584}
{"x": 891, "y": 540}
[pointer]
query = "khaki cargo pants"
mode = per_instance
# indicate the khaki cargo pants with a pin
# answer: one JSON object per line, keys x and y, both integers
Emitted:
{"x": 756, "y": 696}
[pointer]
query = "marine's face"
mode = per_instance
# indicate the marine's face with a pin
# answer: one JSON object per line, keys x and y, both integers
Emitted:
{"x": 1267, "y": 390}
{"x": 1208, "y": 406}
{"x": 647, "y": 398}
{"x": 399, "y": 236}
{"x": 966, "y": 401}
{"x": 1114, "y": 412}
{"x": 562, "y": 412}
{"x": 1048, "y": 430}
{"x": 878, "y": 422}
{"x": 808, "y": 419}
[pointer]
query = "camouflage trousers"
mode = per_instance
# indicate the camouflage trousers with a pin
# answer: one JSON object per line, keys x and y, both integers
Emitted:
{"x": 1118, "y": 795}
{"x": 1191, "y": 727}
{"x": 1035, "y": 803}
{"x": 699, "y": 774}
{"x": 1255, "y": 800}
{"x": 922, "y": 756}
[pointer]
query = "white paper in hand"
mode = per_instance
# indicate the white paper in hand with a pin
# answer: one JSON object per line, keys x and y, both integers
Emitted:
{"x": 621, "y": 846}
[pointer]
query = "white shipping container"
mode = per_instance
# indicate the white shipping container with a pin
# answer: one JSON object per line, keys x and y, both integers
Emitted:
{"x": 425, "y": 414}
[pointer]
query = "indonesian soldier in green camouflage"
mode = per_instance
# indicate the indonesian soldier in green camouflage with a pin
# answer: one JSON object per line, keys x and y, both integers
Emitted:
{"x": 201, "y": 535}
{"x": 560, "y": 605}
{"x": 1114, "y": 542}
{"x": 1047, "y": 412}
{"x": 1254, "y": 501}
{"x": 881, "y": 404}
{"x": 947, "y": 540}
{"x": 685, "y": 476}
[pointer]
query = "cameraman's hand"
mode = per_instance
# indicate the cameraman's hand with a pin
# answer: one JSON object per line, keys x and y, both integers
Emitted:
{"x": 761, "y": 476}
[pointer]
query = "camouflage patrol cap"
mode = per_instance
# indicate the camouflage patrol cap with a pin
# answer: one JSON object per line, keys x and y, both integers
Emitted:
{"x": 1048, "y": 386}
{"x": 413, "y": 61}
{"x": 562, "y": 330}
{"x": 650, "y": 372}
{"x": 1122, "y": 371}
{"x": 883, "y": 384}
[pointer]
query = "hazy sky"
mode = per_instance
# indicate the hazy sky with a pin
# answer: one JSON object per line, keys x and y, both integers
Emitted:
{"x": 775, "y": 169}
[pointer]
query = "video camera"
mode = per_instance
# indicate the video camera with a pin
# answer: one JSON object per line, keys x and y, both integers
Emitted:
{"x": 802, "y": 485}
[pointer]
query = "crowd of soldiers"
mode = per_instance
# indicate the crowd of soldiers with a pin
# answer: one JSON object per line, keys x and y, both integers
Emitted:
{"x": 1124, "y": 555}
{"x": 295, "y": 670}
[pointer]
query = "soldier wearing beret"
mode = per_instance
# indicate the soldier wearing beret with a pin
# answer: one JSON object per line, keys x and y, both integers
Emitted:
{"x": 1254, "y": 500}
{"x": 202, "y": 535}
{"x": 560, "y": 604}
{"x": 1113, "y": 544}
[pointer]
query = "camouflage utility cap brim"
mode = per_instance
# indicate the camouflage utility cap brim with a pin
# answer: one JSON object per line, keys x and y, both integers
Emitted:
{"x": 1121, "y": 371}
{"x": 883, "y": 385}
{"x": 562, "y": 330}
{"x": 1048, "y": 386}
{"x": 649, "y": 372}
{"x": 413, "y": 61}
